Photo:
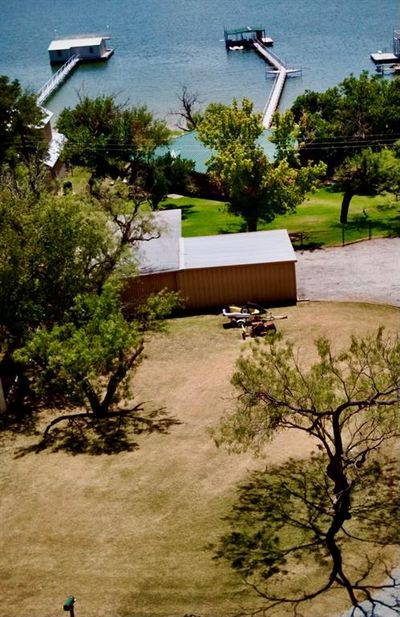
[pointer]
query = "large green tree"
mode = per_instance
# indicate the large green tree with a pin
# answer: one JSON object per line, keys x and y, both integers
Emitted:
{"x": 359, "y": 112}
{"x": 86, "y": 358}
{"x": 257, "y": 189}
{"x": 108, "y": 138}
{"x": 62, "y": 264}
{"x": 344, "y": 500}
{"x": 22, "y": 145}
{"x": 366, "y": 173}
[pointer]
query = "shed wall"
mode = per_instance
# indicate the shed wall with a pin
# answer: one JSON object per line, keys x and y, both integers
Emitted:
{"x": 263, "y": 283}
{"x": 143, "y": 286}
{"x": 217, "y": 287}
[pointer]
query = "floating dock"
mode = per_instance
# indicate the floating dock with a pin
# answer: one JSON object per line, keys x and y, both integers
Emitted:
{"x": 89, "y": 47}
{"x": 254, "y": 38}
{"x": 70, "y": 52}
{"x": 381, "y": 58}
{"x": 243, "y": 38}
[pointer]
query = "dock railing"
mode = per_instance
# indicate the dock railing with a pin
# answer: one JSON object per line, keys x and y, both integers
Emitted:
{"x": 55, "y": 80}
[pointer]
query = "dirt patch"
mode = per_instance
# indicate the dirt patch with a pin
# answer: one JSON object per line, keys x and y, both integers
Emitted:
{"x": 127, "y": 533}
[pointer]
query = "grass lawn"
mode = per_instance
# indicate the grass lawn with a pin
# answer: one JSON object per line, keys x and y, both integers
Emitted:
{"x": 318, "y": 217}
{"x": 127, "y": 533}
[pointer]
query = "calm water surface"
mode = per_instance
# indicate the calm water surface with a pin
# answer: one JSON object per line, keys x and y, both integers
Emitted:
{"x": 161, "y": 44}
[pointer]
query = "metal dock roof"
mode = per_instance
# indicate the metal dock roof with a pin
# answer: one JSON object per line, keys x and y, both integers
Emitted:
{"x": 86, "y": 40}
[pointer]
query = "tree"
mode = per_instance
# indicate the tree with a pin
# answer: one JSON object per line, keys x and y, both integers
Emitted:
{"x": 322, "y": 509}
{"x": 108, "y": 138}
{"x": 168, "y": 173}
{"x": 256, "y": 188}
{"x": 360, "y": 112}
{"x": 87, "y": 357}
{"x": 190, "y": 117}
{"x": 22, "y": 145}
{"x": 60, "y": 263}
{"x": 366, "y": 173}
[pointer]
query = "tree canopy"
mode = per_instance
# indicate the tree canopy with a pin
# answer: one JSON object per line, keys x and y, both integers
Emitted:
{"x": 107, "y": 137}
{"x": 366, "y": 173}
{"x": 360, "y": 112}
{"x": 64, "y": 329}
{"x": 319, "y": 511}
{"x": 255, "y": 187}
{"x": 22, "y": 144}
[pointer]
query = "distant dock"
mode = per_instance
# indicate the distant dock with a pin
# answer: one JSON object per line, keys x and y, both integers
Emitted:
{"x": 381, "y": 58}
{"x": 69, "y": 52}
{"x": 254, "y": 38}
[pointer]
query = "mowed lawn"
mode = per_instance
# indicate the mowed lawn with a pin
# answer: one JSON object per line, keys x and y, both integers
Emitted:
{"x": 127, "y": 533}
{"x": 318, "y": 217}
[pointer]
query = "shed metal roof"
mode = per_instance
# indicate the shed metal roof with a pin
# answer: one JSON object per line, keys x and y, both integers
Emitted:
{"x": 237, "y": 249}
{"x": 85, "y": 41}
{"x": 162, "y": 254}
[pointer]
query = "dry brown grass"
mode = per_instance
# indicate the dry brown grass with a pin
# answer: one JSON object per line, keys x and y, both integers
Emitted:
{"x": 126, "y": 533}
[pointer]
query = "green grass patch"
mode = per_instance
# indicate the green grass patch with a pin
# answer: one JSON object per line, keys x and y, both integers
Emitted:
{"x": 318, "y": 218}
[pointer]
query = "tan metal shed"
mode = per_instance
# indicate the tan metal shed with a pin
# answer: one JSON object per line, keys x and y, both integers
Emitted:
{"x": 214, "y": 271}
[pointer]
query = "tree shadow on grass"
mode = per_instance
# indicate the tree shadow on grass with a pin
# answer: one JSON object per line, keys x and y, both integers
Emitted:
{"x": 391, "y": 229}
{"x": 186, "y": 209}
{"x": 282, "y": 519}
{"x": 116, "y": 433}
{"x": 232, "y": 227}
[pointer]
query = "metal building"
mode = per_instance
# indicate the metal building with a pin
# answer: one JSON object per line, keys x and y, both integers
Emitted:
{"x": 215, "y": 271}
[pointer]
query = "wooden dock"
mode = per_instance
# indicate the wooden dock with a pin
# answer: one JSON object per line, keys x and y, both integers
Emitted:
{"x": 281, "y": 71}
{"x": 56, "y": 80}
{"x": 277, "y": 87}
{"x": 254, "y": 38}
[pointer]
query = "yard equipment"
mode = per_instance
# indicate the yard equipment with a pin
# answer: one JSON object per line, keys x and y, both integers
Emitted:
{"x": 258, "y": 327}
{"x": 242, "y": 316}
{"x": 239, "y": 315}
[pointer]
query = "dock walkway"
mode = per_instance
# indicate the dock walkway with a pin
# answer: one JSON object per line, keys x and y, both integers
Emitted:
{"x": 56, "y": 79}
{"x": 277, "y": 87}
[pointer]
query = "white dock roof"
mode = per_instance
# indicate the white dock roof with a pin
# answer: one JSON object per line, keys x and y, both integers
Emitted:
{"x": 237, "y": 249}
{"x": 382, "y": 57}
{"x": 84, "y": 41}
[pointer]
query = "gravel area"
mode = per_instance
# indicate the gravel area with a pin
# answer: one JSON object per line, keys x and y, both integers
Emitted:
{"x": 366, "y": 271}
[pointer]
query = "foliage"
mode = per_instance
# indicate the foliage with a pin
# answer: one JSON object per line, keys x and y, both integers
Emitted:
{"x": 348, "y": 403}
{"x": 48, "y": 254}
{"x": 168, "y": 173}
{"x": 108, "y": 138}
{"x": 86, "y": 358}
{"x": 366, "y": 173}
{"x": 360, "y": 112}
{"x": 256, "y": 188}
{"x": 63, "y": 330}
{"x": 21, "y": 138}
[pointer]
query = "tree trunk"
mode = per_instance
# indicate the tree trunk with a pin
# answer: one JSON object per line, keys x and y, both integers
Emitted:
{"x": 347, "y": 197}
{"x": 251, "y": 222}
{"x": 3, "y": 404}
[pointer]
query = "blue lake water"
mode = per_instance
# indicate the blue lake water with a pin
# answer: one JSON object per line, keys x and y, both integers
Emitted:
{"x": 162, "y": 44}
